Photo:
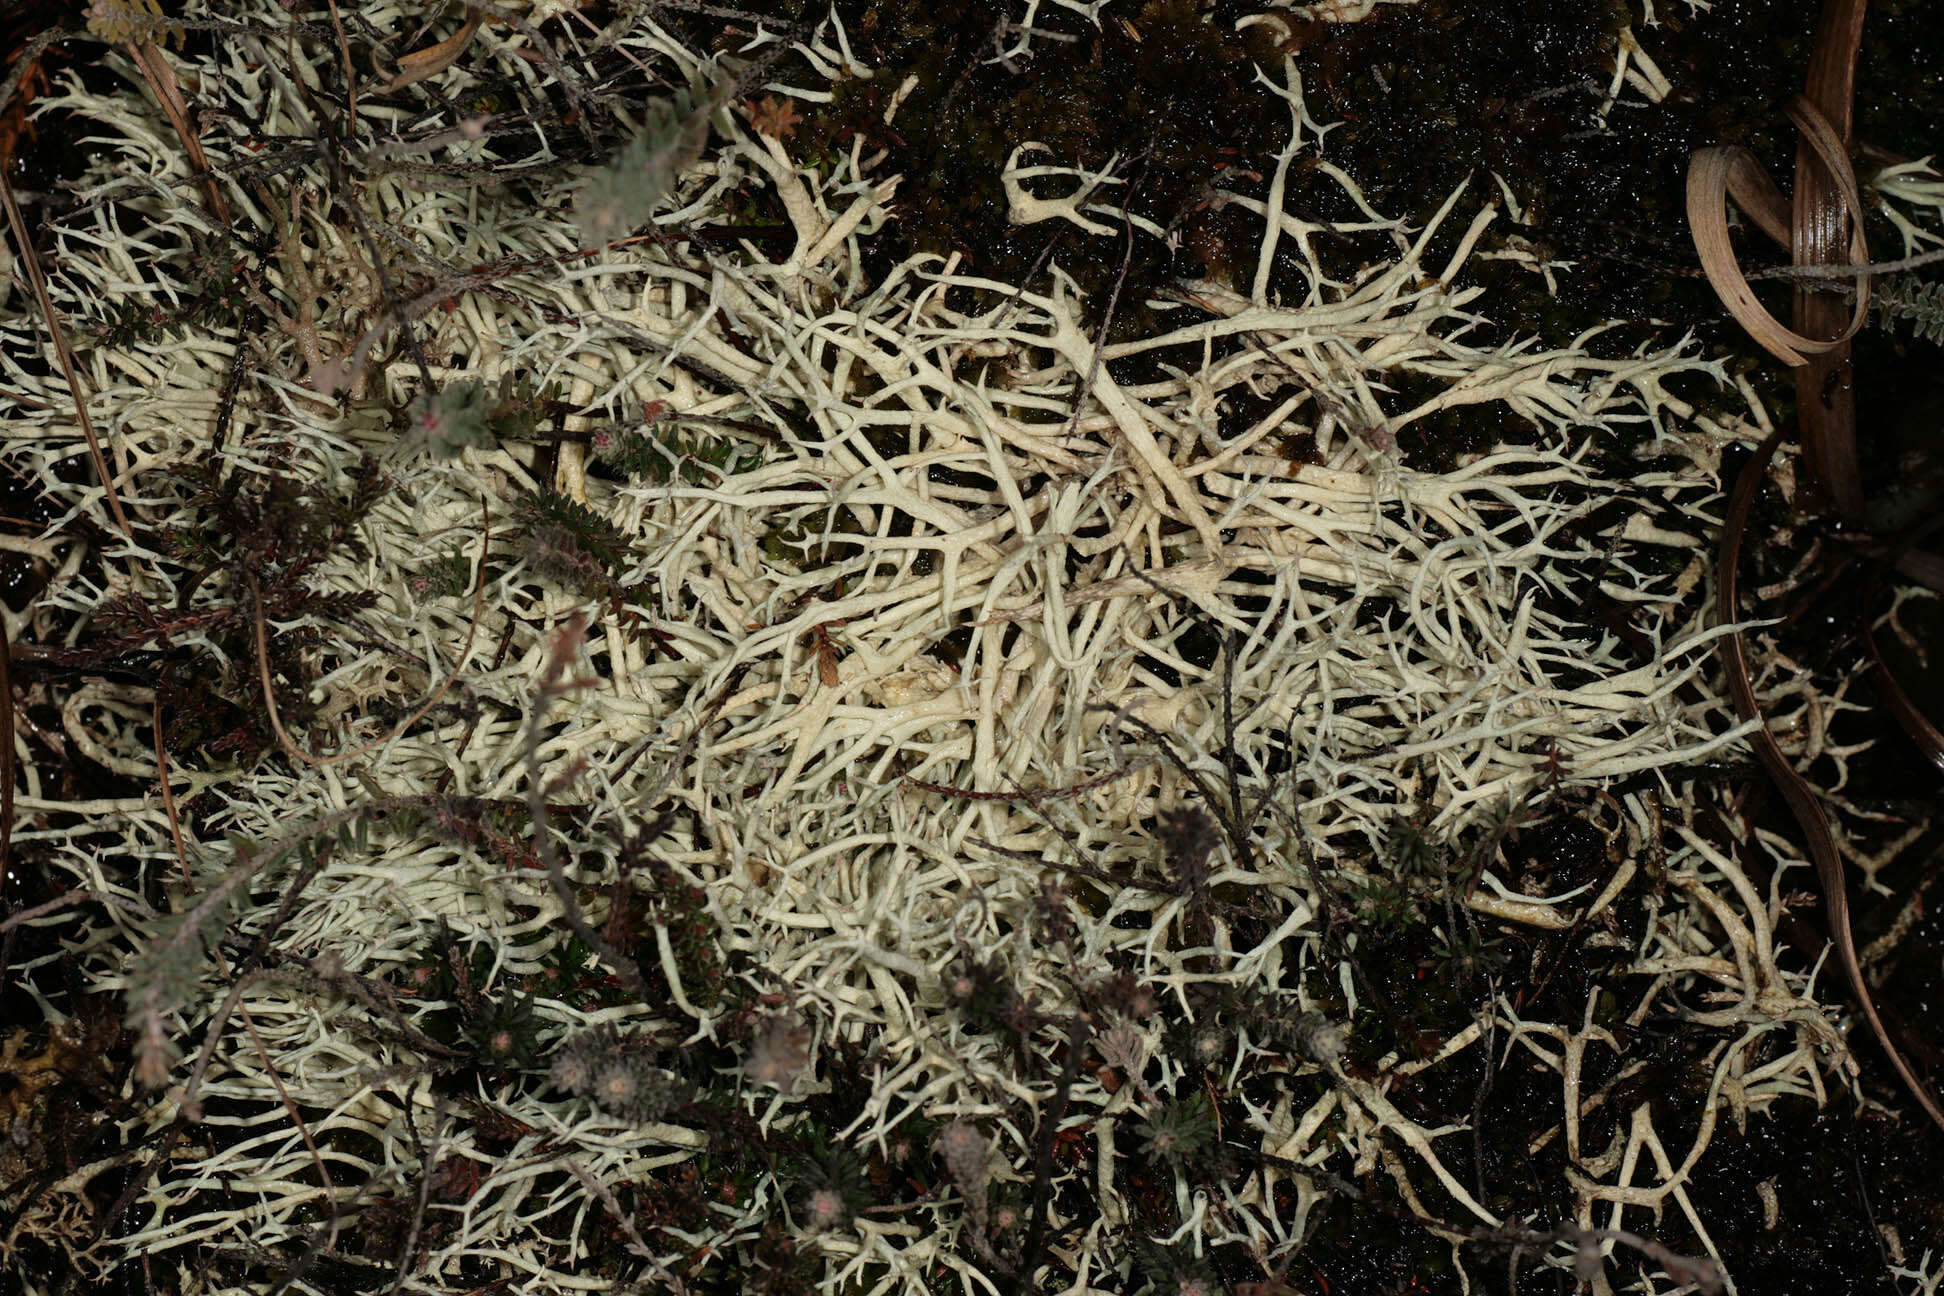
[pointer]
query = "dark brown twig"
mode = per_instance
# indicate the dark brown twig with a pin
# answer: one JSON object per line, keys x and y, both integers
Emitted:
{"x": 554, "y": 684}
{"x": 288, "y": 743}
{"x": 1031, "y": 796}
{"x": 1078, "y": 1031}
{"x": 30, "y": 258}
{"x": 428, "y": 1156}
{"x": 6, "y": 774}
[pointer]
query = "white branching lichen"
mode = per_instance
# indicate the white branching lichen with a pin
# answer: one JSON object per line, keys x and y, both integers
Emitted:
{"x": 1018, "y": 582}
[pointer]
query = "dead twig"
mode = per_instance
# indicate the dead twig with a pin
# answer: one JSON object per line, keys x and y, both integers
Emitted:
{"x": 30, "y": 258}
{"x": 289, "y": 744}
{"x": 554, "y": 684}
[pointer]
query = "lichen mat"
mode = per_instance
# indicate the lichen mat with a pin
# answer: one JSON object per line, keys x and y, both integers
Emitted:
{"x": 903, "y": 787}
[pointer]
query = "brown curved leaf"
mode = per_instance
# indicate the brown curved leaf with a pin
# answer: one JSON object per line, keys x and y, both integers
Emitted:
{"x": 1824, "y": 226}
{"x": 1826, "y": 229}
{"x": 1908, "y": 714}
{"x": 434, "y": 59}
{"x": 1714, "y": 176}
{"x": 1801, "y": 798}
{"x": 1818, "y": 138}
{"x": 1902, "y": 706}
{"x": 1924, "y": 567}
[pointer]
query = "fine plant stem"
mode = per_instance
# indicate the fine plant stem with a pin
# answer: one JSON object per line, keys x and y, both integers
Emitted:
{"x": 554, "y": 684}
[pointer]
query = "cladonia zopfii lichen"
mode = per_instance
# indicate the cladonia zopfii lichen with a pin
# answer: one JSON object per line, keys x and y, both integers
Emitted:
{"x": 764, "y": 440}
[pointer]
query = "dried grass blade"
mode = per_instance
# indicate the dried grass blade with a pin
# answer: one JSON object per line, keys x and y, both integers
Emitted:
{"x": 1800, "y": 796}
{"x": 31, "y": 259}
{"x": 162, "y": 79}
{"x": 434, "y": 59}
{"x": 1828, "y": 229}
{"x": 1926, "y": 735}
{"x": 1714, "y": 176}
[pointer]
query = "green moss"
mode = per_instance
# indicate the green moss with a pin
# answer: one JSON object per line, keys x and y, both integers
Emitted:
{"x": 570, "y": 544}
{"x": 798, "y": 539}
{"x": 444, "y": 577}
{"x": 697, "y": 458}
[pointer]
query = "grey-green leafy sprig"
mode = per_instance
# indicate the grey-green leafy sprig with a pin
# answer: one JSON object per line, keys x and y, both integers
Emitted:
{"x": 622, "y": 195}
{"x": 448, "y": 421}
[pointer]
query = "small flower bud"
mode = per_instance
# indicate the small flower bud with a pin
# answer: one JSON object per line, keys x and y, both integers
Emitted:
{"x": 779, "y": 1052}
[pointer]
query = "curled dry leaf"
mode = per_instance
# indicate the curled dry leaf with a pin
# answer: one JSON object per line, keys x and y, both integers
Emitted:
{"x": 1927, "y": 736}
{"x": 773, "y": 116}
{"x": 1825, "y": 230}
{"x": 434, "y": 59}
{"x": 1716, "y": 175}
